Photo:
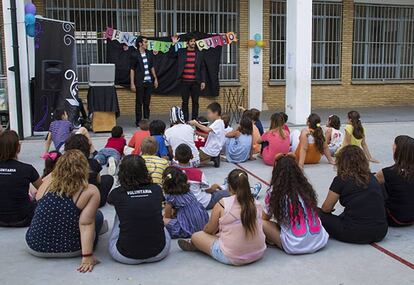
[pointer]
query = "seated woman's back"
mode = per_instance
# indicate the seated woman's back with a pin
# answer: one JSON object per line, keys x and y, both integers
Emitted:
{"x": 61, "y": 199}
{"x": 236, "y": 243}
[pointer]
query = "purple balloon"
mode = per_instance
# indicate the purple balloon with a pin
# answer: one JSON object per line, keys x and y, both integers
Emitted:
{"x": 30, "y": 8}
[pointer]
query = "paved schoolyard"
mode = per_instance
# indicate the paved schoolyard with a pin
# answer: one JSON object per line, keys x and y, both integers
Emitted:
{"x": 338, "y": 263}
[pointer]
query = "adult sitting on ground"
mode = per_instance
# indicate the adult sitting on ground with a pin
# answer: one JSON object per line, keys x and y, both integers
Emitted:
{"x": 363, "y": 220}
{"x": 398, "y": 180}
{"x": 104, "y": 182}
{"x": 67, "y": 221}
{"x": 16, "y": 207}
{"x": 138, "y": 235}
{"x": 309, "y": 144}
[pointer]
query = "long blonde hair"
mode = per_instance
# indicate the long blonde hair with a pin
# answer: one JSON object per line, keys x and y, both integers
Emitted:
{"x": 70, "y": 174}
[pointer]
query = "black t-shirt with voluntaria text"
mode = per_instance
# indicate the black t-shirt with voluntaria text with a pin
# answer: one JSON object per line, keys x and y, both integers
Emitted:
{"x": 15, "y": 179}
{"x": 141, "y": 227}
{"x": 400, "y": 201}
{"x": 364, "y": 206}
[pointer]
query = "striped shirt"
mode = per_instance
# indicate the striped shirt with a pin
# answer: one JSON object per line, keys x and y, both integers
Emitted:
{"x": 147, "y": 76}
{"x": 156, "y": 167}
{"x": 189, "y": 72}
{"x": 191, "y": 216}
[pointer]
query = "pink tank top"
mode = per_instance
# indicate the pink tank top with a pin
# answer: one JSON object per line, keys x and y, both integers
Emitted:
{"x": 235, "y": 244}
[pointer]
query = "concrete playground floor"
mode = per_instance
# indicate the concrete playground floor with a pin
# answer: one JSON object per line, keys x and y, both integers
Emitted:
{"x": 391, "y": 261}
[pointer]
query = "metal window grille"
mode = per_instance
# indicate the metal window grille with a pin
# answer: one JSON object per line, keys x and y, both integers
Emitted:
{"x": 208, "y": 16}
{"x": 383, "y": 45}
{"x": 91, "y": 19}
{"x": 326, "y": 40}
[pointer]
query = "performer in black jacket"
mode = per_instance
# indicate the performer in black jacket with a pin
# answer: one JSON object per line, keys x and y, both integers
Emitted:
{"x": 191, "y": 73}
{"x": 143, "y": 79}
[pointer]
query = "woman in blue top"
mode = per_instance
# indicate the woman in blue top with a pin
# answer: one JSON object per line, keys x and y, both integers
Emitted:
{"x": 184, "y": 215}
{"x": 66, "y": 222}
{"x": 239, "y": 142}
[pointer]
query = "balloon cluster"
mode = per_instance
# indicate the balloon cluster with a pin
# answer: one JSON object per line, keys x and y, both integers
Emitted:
{"x": 29, "y": 19}
{"x": 257, "y": 44}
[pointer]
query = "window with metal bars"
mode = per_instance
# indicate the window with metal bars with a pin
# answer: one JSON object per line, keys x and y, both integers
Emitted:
{"x": 207, "y": 16}
{"x": 383, "y": 42}
{"x": 91, "y": 19}
{"x": 326, "y": 40}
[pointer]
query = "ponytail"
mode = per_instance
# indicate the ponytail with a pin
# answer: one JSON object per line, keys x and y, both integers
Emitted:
{"x": 314, "y": 122}
{"x": 358, "y": 131}
{"x": 239, "y": 183}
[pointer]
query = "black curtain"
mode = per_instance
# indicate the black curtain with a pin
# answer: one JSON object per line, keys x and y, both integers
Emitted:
{"x": 55, "y": 40}
{"x": 165, "y": 66}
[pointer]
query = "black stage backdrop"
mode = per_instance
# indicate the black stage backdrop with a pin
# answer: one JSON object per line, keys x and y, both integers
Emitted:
{"x": 55, "y": 40}
{"x": 165, "y": 66}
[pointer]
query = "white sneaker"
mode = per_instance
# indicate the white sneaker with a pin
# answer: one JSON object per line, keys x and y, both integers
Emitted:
{"x": 111, "y": 166}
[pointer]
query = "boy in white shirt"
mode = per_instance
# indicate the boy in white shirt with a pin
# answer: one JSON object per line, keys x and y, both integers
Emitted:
{"x": 215, "y": 135}
{"x": 180, "y": 133}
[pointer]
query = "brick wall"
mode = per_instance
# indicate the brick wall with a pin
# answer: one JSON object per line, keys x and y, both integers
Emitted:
{"x": 345, "y": 93}
{"x": 341, "y": 94}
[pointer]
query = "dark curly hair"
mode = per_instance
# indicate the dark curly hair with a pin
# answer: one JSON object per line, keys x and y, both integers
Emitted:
{"x": 355, "y": 120}
{"x": 239, "y": 183}
{"x": 79, "y": 142}
{"x": 352, "y": 163}
{"x": 288, "y": 184}
{"x": 133, "y": 172}
{"x": 404, "y": 157}
{"x": 314, "y": 123}
{"x": 174, "y": 181}
{"x": 157, "y": 127}
{"x": 334, "y": 122}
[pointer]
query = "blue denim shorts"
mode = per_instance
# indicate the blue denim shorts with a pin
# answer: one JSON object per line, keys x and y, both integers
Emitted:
{"x": 217, "y": 253}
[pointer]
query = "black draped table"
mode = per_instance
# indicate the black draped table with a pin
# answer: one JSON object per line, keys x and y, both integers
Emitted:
{"x": 103, "y": 99}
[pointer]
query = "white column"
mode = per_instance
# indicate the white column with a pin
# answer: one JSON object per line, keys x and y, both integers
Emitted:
{"x": 24, "y": 70}
{"x": 255, "y": 66}
{"x": 298, "y": 60}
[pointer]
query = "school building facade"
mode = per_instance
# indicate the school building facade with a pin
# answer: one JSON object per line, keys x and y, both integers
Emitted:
{"x": 361, "y": 52}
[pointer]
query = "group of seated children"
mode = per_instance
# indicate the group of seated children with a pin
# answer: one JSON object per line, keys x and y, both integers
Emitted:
{"x": 61, "y": 208}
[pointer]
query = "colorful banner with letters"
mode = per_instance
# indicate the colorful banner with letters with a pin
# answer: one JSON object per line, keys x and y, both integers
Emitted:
{"x": 161, "y": 46}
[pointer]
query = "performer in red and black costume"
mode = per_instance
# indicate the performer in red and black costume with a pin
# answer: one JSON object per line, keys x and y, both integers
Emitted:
{"x": 191, "y": 73}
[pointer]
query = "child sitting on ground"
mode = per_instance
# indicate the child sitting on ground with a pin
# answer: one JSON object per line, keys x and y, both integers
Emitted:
{"x": 276, "y": 140}
{"x": 239, "y": 142}
{"x": 255, "y": 133}
{"x": 292, "y": 202}
{"x": 157, "y": 129}
{"x": 199, "y": 186}
{"x": 201, "y": 137}
{"x": 190, "y": 216}
{"x": 112, "y": 153}
{"x": 180, "y": 133}
{"x": 155, "y": 164}
{"x": 333, "y": 134}
{"x": 215, "y": 138}
{"x": 234, "y": 233}
{"x": 139, "y": 136}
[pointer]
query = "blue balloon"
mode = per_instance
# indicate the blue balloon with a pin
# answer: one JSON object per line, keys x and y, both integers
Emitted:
{"x": 29, "y": 19}
{"x": 257, "y": 50}
{"x": 257, "y": 37}
{"x": 31, "y": 30}
{"x": 30, "y": 8}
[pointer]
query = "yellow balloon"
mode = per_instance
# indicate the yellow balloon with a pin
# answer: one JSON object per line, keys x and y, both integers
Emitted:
{"x": 261, "y": 43}
{"x": 252, "y": 43}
